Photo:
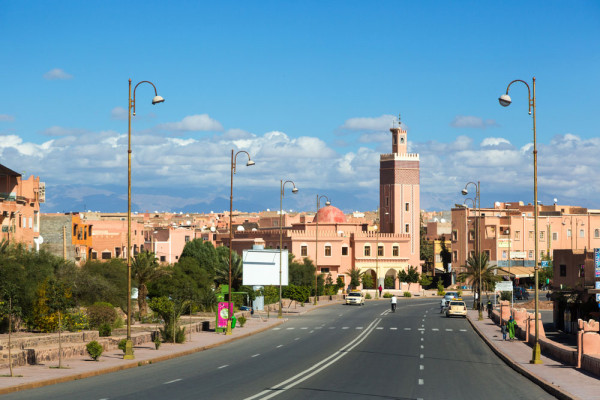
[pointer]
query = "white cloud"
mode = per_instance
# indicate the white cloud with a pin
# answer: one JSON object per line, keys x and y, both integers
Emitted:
{"x": 6, "y": 118}
{"x": 381, "y": 123}
{"x": 57, "y": 74}
{"x": 194, "y": 123}
{"x": 468, "y": 121}
{"x": 494, "y": 142}
{"x": 118, "y": 113}
{"x": 60, "y": 131}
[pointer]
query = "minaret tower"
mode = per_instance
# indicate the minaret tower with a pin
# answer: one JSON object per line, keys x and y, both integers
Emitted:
{"x": 399, "y": 189}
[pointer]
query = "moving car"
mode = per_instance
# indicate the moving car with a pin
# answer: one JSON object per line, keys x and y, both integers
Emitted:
{"x": 355, "y": 297}
{"x": 449, "y": 296}
{"x": 521, "y": 293}
{"x": 457, "y": 307}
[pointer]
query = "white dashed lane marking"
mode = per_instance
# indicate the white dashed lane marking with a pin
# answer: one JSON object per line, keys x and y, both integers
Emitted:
{"x": 379, "y": 327}
{"x": 421, "y": 382}
{"x": 421, "y": 367}
{"x": 280, "y": 346}
{"x": 256, "y": 355}
{"x": 176, "y": 380}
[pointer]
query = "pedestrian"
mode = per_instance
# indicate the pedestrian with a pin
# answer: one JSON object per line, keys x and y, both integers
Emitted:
{"x": 548, "y": 296}
{"x": 393, "y": 301}
{"x": 503, "y": 329}
{"x": 380, "y": 290}
{"x": 511, "y": 328}
{"x": 489, "y": 308}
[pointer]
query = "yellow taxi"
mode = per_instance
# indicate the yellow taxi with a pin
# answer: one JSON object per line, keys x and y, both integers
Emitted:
{"x": 456, "y": 307}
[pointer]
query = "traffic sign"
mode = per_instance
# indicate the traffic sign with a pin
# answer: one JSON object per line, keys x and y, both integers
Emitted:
{"x": 545, "y": 263}
{"x": 504, "y": 286}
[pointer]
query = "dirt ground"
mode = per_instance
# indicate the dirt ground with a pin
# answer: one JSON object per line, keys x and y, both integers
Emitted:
{"x": 530, "y": 305}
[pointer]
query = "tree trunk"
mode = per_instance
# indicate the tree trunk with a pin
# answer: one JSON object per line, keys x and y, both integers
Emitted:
{"x": 142, "y": 304}
{"x": 9, "y": 335}
{"x": 59, "y": 341}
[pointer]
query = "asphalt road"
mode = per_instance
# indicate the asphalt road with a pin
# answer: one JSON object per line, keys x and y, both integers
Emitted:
{"x": 336, "y": 352}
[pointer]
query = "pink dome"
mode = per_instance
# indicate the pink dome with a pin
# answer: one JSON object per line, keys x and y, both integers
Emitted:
{"x": 330, "y": 214}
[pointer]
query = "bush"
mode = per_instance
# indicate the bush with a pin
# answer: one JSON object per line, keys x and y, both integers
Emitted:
{"x": 387, "y": 295}
{"x": 100, "y": 314}
{"x": 459, "y": 293}
{"x": 506, "y": 296}
{"x": 119, "y": 323}
{"x": 407, "y": 294}
{"x": 94, "y": 349}
{"x": 440, "y": 289}
{"x": 76, "y": 322}
{"x": 368, "y": 296}
{"x": 123, "y": 345}
{"x": 157, "y": 342}
{"x": 241, "y": 320}
{"x": 104, "y": 330}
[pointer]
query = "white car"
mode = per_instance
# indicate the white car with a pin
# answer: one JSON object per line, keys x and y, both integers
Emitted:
{"x": 355, "y": 298}
{"x": 457, "y": 307}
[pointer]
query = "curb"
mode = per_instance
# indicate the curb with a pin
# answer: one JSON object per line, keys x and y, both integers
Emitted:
{"x": 544, "y": 384}
{"x": 83, "y": 375}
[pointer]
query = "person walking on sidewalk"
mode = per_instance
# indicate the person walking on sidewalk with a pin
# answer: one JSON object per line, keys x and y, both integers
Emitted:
{"x": 503, "y": 330}
{"x": 511, "y": 328}
{"x": 380, "y": 290}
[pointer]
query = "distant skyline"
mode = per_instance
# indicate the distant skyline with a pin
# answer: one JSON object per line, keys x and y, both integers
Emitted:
{"x": 309, "y": 89}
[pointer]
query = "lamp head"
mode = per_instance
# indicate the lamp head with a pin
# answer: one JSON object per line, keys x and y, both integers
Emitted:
{"x": 505, "y": 100}
{"x": 464, "y": 192}
{"x": 295, "y": 190}
{"x": 157, "y": 99}
{"x": 250, "y": 163}
{"x": 327, "y": 203}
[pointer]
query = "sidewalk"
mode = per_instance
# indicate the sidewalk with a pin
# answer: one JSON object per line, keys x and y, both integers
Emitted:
{"x": 29, "y": 377}
{"x": 562, "y": 381}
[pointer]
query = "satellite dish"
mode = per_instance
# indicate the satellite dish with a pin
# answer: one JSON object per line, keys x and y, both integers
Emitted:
{"x": 555, "y": 200}
{"x": 38, "y": 240}
{"x": 240, "y": 228}
{"x": 212, "y": 229}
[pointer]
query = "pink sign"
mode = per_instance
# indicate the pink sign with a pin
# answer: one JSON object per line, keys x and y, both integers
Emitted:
{"x": 223, "y": 315}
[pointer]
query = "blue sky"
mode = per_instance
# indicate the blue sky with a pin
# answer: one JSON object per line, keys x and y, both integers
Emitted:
{"x": 309, "y": 89}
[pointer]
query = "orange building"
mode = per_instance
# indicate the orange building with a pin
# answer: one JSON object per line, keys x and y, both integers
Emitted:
{"x": 20, "y": 207}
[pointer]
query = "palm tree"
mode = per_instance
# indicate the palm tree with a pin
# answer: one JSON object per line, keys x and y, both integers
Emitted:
{"x": 222, "y": 272}
{"x": 471, "y": 275}
{"x": 145, "y": 269}
{"x": 355, "y": 277}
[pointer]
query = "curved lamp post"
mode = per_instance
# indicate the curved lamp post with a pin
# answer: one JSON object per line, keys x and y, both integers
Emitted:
{"x": 131, "y": 105}
{"x": 294, "y": 190}
{"x": 327, "y": 203}
{"x": 477, "y": 238}
{"x": 578, "y": 223}
{"x": 233, "y": 166}
{"x": 505, "y": 101}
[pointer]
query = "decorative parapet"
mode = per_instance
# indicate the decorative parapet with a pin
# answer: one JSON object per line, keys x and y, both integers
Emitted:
{"x": 399, "y": 157}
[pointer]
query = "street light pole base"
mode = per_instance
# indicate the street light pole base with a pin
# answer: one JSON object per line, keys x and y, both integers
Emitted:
{"x": 228, "y": 330}
{"x": 536, "y": 356}
{"x": 480, "y": 315}
{"x": 128, "y": 350}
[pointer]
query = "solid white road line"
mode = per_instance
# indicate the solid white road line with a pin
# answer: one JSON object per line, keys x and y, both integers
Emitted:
{"x": 315, "y": 369}
{"x": 173, "y": 381}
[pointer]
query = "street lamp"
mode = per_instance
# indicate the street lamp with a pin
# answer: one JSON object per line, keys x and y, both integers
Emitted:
{"x": 577, "y": 225}
{"x": 505, "y": 101}
{"x": 294, "y": 190}
{"x": 131, "y": 105}
{"x": 327, "y": 203}
{"x": 571, "y": 222}
{"x": 477, "y": 204}
{"x": 233, "y": 165}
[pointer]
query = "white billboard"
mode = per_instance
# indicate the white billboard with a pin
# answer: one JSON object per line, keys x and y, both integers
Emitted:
{"x": 261, "y": 267}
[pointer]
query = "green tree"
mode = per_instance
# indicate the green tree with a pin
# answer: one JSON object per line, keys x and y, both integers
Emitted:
{"x": 145, "y": 269}
{"x": 355, "y": 277}
{"x": 445, "y": 254}
{"x": 204, "y": 253}
{"x": 389, "y": 282}
{"x": 367, "y": 281}
{"x": 426, "y": 246}
{"x": 409, "y": 276}
{"x": 98, "y": 281}
{"x": 425, "y": 280}
{"x": 9, "y": 307}
{"x": 222, "y": 272}
{"x": 472, "y": 273}
{"x": 58, "y": 299}
{"x": 170, "y": 310}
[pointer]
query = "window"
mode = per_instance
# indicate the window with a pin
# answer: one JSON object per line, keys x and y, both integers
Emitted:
{"x": 163, "y": 258}
{"x": 531, "y": 235}
{"x": 517, "y": 235}
{"x": 563, "y": 270}
{"x": 407, "y": 228}
{"x": 380, "y": 251}
{"x": 325, "y": 270}
{"x": 581, "y": 233}
{"x": 530, "y": 253}
{"x": 471, "y": 253}
{"x": 438, "y": 258}
{"x": 407, "y": 206}
{"x": 554, "y": 235}
{"x": 117, "y": 252}
{"x": 395, "y": 251}
{"x": 394, "y": 139}
{"x": 454, "y": 256}
{"x": 94, "y": 255}
{"x": 596, "y": 233}
{"x": 303, "y": 250}
{"x": 367, "y": 251}
{"x": 487, "y": 252}
{"x": 327, "y": 252}
{"x": 106, "y": 255}
{"x": 75, "y": 230}
{"x": 503, "y": 253}
{"x": 187, "y": 238}
{"x": 387, "y": 201}
{"x": 568, "y": 233}
{"x": 471, "y": 234}
{"x": 541, "y": 235}
{"x": 345, "y": 250}
{"x": 454, "y": 235}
